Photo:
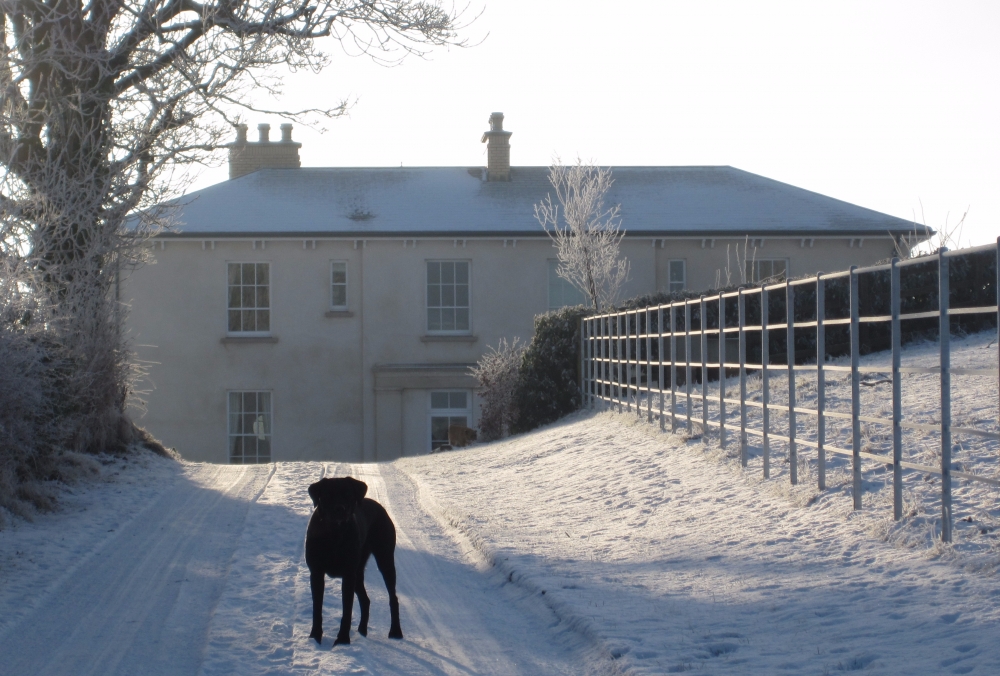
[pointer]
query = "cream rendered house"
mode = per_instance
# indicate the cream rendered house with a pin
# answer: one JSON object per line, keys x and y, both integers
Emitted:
{"x": 333, "y": 313}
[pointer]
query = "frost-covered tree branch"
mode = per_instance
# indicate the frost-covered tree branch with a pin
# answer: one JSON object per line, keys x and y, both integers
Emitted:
{"x": 587, "y": 236}
{"x": 102, "y": 106}
{"x": 496, "y": 373}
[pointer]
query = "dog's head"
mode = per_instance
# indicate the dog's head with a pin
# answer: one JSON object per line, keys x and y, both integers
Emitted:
{"x": 337, "y": 498}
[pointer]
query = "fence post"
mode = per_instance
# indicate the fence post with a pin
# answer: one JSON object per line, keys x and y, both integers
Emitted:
{"x": 741, "y": 307}
{"x": 649, "y": 358}
{"x": 673, "y": 368}
{"x": 765, "y": 381}
{"x": 659, "y": 357}
{"x": 793, "y": 457}
{"x": 628, "y": 362}
{"x": 820, "y": 381}
{"x": 722, "y": 371}
{"x": 944, "y": 291}
{"x": 703, "y": 325}
{"x": 855, "y": 388}
{"x": 687, "y": 362}
{"x": 584, "y": 363}
{"x": 897, "y": 397}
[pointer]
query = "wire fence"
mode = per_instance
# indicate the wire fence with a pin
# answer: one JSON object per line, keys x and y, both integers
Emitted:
{"x": 671, "y": 360}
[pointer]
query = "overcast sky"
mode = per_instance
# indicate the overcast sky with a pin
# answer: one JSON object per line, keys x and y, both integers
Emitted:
{"x": 894, "y": 106}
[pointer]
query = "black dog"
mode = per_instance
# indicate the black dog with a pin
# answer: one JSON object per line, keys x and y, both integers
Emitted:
{"x": 345, "y": 529}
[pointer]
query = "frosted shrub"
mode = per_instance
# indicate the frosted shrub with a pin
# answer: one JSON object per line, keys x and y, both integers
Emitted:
{"x": 497, "y": 373}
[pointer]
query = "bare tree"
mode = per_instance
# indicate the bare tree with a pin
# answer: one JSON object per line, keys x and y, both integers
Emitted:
{"x": 588, "y": 235}
{"x": 102, "y": 105}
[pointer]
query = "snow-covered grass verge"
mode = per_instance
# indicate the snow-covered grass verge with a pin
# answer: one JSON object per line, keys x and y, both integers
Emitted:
{"x": 976, "y": 505}
{"x": 661, "y": 549}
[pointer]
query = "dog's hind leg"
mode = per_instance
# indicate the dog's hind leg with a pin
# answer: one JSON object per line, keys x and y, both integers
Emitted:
{"x": 385, "y": 559}
{"x": 363, "y": 601}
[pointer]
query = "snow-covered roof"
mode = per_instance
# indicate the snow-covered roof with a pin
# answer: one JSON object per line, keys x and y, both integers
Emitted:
{"x": 456, "y": 201}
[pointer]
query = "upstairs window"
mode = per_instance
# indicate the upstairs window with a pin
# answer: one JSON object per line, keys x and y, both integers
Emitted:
{"x": 250, "y": 298}
{"x": 561, "y": 292}
{"x": 676, "y": 275}
{"x": 448, "y": 297}
{"x": 338, "y": 285}
{"x": 768, "y": 270}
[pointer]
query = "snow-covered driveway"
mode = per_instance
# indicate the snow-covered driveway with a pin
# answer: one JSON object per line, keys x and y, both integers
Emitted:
{"x": 138, "y": 601}
{"x": 200, "y": 570}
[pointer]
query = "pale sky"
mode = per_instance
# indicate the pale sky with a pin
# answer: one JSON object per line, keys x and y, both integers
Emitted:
{"x": 893, "y": 106}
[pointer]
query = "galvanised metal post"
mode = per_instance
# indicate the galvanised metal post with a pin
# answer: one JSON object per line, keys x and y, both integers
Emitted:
{"x": 649, "y": 357}
{"x": 687, "y": 362}
{"x": 741, "y": 307}
{"x": 765, "y": 381}
{"x": 897, "y": 395}
{"x": 703, "y": 325}
{"x": 722, "y": 371}
{"x": 673, "y": 368}
{"x": 855, "y": 388}
{"x": 659, "y": 357}
{"x": 944, "y": 340}
{"x": 628, "y": 363}
{"x": 793, "y": 457}
{"x": 820, "y": 381}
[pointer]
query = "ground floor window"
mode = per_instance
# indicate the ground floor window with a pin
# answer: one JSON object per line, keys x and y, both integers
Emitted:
{"x": 249, "y": 427}
{"x": 448, "y": 407}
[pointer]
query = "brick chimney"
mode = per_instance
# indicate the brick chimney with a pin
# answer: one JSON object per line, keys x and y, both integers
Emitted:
{"x": 497, "y": 150}
{"x": 246, "y": 157}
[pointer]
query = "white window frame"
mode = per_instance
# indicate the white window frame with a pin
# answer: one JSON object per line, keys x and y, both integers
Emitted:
{"x": 670, "y": 280}
{"x": 563, "y": 289}
{"x": 259, "y": 429}
{"x": 450, "y": 413}
{"x": 255, "y": 309}
{"x": 333, "y": 284}
{"x": 442, "y": 307}
{"x": 755, "y": 277}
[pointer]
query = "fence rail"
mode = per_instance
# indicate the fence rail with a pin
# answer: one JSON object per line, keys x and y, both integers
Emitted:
{"x": 661, "y": 353}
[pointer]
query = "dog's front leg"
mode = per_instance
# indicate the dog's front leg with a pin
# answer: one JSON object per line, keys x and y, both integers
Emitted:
{"x": 344, "y": 635}
{"x": 317, "y": 583}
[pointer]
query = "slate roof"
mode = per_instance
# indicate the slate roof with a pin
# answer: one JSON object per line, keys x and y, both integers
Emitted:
{"x": 456, "y": 202}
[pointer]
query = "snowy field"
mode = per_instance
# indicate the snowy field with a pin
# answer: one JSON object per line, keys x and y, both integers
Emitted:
{"x": 597, "y": 545}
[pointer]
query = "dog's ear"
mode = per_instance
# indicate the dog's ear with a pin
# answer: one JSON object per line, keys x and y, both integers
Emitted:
{"x": 314, "y": 493}
{"x": 360, "y": 488}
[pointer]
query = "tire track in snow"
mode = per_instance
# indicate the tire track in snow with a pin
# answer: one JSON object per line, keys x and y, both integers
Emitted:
{"x": 458, "y": 618}
{"x": 142, "y": 600}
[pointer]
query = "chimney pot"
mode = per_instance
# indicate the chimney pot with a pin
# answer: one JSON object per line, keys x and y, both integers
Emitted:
{"x": 246, "y": 158}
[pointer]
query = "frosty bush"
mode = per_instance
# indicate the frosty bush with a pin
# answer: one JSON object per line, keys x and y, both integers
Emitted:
{"x": 497, "y": 373}
{"x": 548, "y": 384}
